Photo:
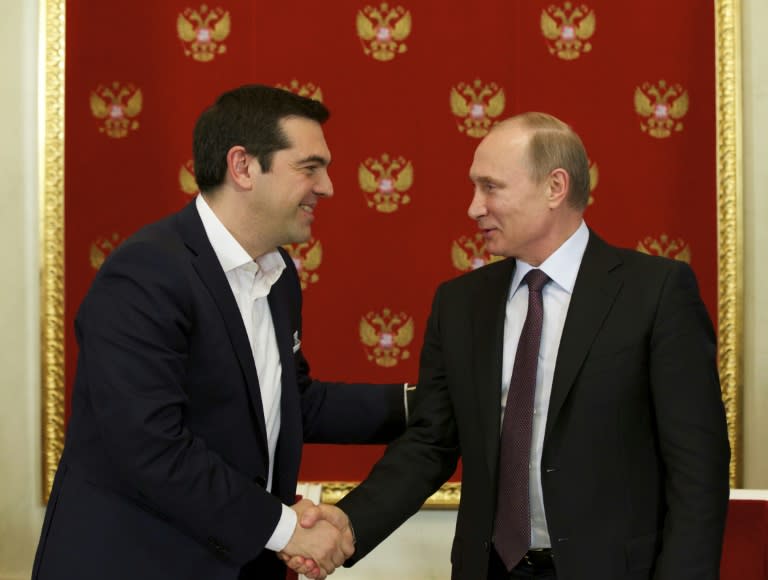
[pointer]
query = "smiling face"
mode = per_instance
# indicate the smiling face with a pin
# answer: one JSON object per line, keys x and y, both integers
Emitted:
{"x": 282, "y": 200}
{"x": 513, "y": 212}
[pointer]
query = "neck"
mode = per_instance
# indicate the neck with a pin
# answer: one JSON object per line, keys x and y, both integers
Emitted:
{"x": 554, "y": 238}
{"x": 243, "y": 228}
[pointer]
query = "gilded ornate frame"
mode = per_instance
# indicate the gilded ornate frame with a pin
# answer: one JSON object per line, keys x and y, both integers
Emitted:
{"x": 730, "y": 236}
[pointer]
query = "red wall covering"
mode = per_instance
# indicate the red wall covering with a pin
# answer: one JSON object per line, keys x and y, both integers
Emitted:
{"x": 635, "y": 79}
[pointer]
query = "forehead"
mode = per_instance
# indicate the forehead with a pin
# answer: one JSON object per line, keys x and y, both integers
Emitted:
{"x": 501, "y": 150}
{"x": 305, "y": 136}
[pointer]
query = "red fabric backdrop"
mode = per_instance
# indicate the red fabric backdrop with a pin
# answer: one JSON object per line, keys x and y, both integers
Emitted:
{"x": 745, "y": 547}
{"x": 411, "y": 86}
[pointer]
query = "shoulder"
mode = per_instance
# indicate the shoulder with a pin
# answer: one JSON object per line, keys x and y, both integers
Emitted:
{"x": 633, "y": 264}
{"x": 155, "y": 254}
{"x": 495, "y": 275}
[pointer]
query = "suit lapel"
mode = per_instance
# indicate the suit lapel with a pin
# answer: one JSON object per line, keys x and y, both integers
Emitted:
{"x": 288, "y": 453}
{"x": 594, "y": 293}
{"x": 489, "y": 301}
{"x": 208, "y": 268}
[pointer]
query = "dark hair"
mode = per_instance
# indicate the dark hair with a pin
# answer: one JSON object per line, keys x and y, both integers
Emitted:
{"x": 552, "y": 145}
{"x": 249, "y": 116}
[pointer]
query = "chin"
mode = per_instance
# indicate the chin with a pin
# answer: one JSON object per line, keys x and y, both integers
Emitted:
{"x": 493, "y": 249}
{"x": 501, "y": 252}
{"x": 303, "y": 236}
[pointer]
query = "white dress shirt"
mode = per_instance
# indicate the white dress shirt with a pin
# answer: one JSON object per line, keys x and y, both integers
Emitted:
{"x": 562, "y": 267}
{"x": 251, "y": 281}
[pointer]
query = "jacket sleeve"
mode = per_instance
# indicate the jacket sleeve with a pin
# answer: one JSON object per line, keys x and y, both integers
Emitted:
{"x": 692, "y": 431}
{"x": 349, "y": 412}
{"x": 416, "y": 464}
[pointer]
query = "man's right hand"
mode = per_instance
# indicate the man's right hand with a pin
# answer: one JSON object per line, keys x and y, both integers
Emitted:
{"x": 320, "y": 543}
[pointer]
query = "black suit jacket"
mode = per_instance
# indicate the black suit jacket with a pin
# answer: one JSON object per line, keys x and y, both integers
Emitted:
{"x": 635, "y": 457}
{"x": 165, "y": 463}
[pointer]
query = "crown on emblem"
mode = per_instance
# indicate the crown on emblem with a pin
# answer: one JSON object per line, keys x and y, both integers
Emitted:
{"x": 385, "y": 335}
{"x": 117, "y": 105}
{"x": 476, "y": 105}
{"x": 383, "y": 30}
{"x": 385, "y": 182}
{"x": 307, "y": 257}
{"x": 568, "y": 29}
{"x": 661, "y": 107}
{"x": 202, "y": 32}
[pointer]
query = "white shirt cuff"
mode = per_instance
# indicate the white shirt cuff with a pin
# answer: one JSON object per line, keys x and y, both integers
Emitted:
{"x": 407, "y": 387}
{"x": 284, "y": 530}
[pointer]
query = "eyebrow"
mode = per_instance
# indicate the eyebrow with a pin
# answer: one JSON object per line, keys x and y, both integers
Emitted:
{"x": 481, "y": 179}
{"x": 314, "y": 159}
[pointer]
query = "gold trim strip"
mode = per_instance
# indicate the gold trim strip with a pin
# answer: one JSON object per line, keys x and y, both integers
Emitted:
{"x": 729, "y": 220}
{"x": 51, "y": 179}
{"x": 447, "y": 497}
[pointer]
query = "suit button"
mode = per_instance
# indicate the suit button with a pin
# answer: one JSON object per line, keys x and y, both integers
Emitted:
{"x": 261, "y": 482}
{"x": 487, "y": 546}
{"x": 550, "y": 470}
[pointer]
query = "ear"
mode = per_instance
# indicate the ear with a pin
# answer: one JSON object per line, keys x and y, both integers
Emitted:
{"x": 558, "y": 184}
{"x": 239, "y": 167}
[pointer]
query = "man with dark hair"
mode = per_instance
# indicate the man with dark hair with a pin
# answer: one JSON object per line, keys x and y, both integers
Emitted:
{"x": 249, "y": 116}
{"x": 192, "y": 397}
{"x": 577, "y": 382}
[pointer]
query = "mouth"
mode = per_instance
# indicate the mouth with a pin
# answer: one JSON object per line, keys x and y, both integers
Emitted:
{"x": 310, "y": 209}
{"x": 487, "y": 231}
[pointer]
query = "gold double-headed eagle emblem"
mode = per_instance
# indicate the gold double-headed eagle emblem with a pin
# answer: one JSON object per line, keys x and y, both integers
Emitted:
{"x": 594, "y": 179}
{"x": 476, "y": 105}
{"x": 102, "y": 247}
{"x": 117, "y": 105}
{"x": 203, "y": 31}
{"x": 667, "y": 247}
{"x": 385, "y": 335}
{"x": 469, "y": 253}
{"x": 385, "y": 182}
{"x": 187, "y": 182}
{"x": 307, "y": 257}
{"x": 661, "y": 106}
{"x": 383, "y": 30}
{"x": 568, "y": 29}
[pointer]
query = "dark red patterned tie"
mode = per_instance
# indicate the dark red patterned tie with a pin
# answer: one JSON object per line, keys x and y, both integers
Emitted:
{"x": 512, "y": 531}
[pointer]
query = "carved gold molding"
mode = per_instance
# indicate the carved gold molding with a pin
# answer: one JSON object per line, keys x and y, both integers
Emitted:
{"x": 730, "y": 262}
{"x": 729, "y": 213}
{"x": 444, "y": 498}
{"x": 51, "y": 179}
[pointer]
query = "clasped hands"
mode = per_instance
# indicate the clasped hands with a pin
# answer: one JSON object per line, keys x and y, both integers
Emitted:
{"x": 321, "y": 542}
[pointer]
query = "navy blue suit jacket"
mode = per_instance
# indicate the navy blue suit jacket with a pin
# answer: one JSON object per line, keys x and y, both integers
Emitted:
{"x": 165, "y": 462}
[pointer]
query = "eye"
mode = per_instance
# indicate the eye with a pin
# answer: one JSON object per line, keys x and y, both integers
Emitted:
{"x": 311, "y": 169}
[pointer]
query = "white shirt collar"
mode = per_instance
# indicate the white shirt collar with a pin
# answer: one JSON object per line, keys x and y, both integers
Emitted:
{"x": 230, "y": 253}
{"x": 562, "y": 266}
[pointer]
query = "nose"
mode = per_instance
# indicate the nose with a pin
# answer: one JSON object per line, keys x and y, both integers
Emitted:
{"x": 476, "y": 208}
{"x": 324, "y": 186}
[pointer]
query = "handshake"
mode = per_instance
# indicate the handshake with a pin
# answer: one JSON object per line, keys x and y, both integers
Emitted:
{"x": 322, "y": 541}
